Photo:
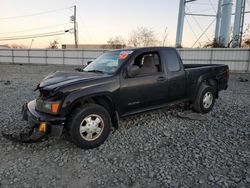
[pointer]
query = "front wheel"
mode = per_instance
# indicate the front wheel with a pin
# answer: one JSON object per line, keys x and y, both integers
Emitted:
{"x": 90, "y": 126}
{"x": 205, "y": 99}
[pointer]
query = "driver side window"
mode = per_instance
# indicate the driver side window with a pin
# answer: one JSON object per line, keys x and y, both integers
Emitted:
{"x": 148, "y": 63}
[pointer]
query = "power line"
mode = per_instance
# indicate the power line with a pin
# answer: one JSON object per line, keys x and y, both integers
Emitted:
{"x": 29, "y": 37}
{"x": 35, "y": 14}
{"x": 36, "y": 35}
{"x": 35, "y": 29}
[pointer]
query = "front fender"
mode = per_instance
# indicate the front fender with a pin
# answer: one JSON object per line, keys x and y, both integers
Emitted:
{"x": 107, "y": 89}
{"x": 72, "y": 100}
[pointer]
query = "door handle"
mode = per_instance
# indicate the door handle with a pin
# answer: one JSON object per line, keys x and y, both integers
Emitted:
{"x": 161, "y": 79}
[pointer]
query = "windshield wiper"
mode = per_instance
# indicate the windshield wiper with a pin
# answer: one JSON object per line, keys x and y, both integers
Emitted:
{"x": 98, "y": 71}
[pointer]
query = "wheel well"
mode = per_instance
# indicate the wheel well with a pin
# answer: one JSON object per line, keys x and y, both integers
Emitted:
{"x": 213, "y": 83}
{"x": 103, "y": 101}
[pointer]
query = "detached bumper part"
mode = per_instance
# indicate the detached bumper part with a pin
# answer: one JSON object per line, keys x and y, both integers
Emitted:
{"x": 41, "y": 124}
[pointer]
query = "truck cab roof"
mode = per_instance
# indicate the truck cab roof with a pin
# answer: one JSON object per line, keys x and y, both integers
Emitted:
{"x": 145, "y": 49}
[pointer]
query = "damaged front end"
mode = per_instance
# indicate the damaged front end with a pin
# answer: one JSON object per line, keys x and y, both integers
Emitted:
{"x": 42, "y": 117}
{"x": 42, "y": 124}
{"x": 44, "y": 114}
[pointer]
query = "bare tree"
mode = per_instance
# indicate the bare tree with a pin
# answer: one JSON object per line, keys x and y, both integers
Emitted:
{"x": 214, "y": 44}
{"x": 246, "y": 43}
{"x": 116, "y": 42}
{"x": 54, "y": 44}
{"x": 246, "y": 37}
{"x": 142, "y": 37}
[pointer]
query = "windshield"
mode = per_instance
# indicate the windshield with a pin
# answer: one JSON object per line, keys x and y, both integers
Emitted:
{"x": 108, "y": 62}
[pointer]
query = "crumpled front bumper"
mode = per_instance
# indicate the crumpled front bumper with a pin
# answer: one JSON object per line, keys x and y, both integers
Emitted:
{"x": 54, "y": 124}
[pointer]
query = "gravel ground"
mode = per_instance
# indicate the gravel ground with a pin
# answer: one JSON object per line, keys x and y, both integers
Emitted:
{"x": 155, "y": 149}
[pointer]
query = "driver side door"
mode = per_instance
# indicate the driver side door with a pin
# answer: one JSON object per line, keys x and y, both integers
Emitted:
{"x": 145, "y": 90}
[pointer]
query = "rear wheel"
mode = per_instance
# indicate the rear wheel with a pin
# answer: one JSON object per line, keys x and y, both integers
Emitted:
{"x": 90, "y": 126}
{"x": 205, "y": 99}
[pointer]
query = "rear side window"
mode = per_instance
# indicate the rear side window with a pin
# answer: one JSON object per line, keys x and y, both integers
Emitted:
{"x": 149, "y": 63}
{"x": 173, "y": 61}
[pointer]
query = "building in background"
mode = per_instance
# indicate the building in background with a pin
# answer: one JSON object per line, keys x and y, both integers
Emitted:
{"x": 94, "y": 46}
{"x": 4, "y": 46}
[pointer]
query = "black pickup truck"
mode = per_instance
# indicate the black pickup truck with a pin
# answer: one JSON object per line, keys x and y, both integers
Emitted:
{"x": 119, "y": 83}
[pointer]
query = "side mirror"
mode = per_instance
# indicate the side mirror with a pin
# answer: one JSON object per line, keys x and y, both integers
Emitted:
{"x": 79, "y": 69}
{"x": 89, "y": 62}
{"x": 132, "y": 71}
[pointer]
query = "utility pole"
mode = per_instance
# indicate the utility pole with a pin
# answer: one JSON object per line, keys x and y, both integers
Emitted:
{"x": 75, "y": 28}
{"x": 31, "y": 43}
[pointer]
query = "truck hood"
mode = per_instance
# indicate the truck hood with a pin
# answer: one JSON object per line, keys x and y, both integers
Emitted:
{"x": 59, "y": 78}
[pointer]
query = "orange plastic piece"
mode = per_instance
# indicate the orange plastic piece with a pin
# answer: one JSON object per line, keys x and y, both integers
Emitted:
{"x": 54, "y": 107}
{"x": 43, "y": 127}
{"x": 123, "y": 56}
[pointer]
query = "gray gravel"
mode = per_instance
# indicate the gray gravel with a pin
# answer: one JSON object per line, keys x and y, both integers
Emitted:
{"x": 156, "y": 149}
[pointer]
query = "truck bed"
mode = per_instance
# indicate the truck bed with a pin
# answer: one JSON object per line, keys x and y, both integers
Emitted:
{"x": 196, "y": 72}
{"x": 193, "y": 66}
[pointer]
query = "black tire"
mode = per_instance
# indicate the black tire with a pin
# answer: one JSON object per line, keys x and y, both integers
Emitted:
{"x": 198, "y": 105}
{"x": 78, "y": 119}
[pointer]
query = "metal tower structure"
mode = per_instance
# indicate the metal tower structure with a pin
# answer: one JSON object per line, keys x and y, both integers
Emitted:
{"x": 225, "y": 22}
{"x": 180, "y": 24}
{"x": 218, "y": 22}
{"x": 238, "y": 23}
{"x": 181, "y": 16}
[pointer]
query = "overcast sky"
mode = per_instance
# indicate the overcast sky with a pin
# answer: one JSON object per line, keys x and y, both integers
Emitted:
{"x": 98, "y": 20}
